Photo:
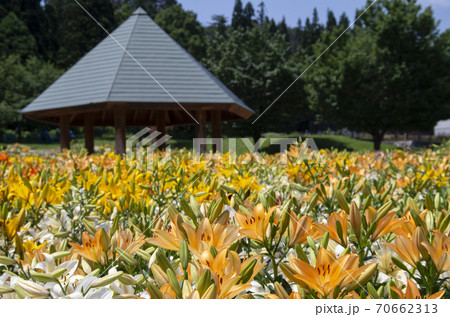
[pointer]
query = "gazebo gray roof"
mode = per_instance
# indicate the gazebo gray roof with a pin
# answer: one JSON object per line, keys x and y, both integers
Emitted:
{"x": 107, "y": 79}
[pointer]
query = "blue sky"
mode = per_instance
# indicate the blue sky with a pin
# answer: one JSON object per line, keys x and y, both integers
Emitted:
{"x": 295, "y": 9}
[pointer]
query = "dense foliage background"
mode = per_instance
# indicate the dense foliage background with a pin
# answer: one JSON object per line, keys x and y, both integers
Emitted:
{"x": 389, "y": 73}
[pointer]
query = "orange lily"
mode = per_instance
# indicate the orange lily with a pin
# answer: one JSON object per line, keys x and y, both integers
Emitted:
{"x": 408, "y": 248}
{"x": 384, "y": 225}
{"x": 91, "y": 248}
{"x": 412, "y": 292}
{"x": 329, "y": 272}
{"x": 299, "y": 230}
{"x": 255, "y": 227}
{"x": 439, "y": 251}
{"x": 226, "y": 269}
{"x": 332, "y": 227}
{"x": 219, "y": 235}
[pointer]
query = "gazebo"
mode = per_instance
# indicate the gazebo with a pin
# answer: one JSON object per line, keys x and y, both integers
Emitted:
{"x": 138, "y": 76}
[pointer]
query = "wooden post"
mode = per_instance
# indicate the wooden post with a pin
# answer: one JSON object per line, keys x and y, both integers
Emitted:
{"x": 89, "y": 132}
{"x": 161, "y": 116}
{"x": 64, "y": 132}
{"x": 120, "y": 126}
{"x": 216, "y": 126}
{"x": 200, "y": 129}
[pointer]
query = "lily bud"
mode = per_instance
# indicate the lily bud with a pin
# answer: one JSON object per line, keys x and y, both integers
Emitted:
{"x": 114, "y": 226}
{"x": 187, "y": 289}
{"x": 280, "y": 291}
{"x": 162, "y": 260}
{"x": 444, "y": 224}
{"x": 107, "y": 280}
{"x": 285, "y": 218}
{"x": 324, "y": 241}
{"x": 95, "y": 272}
{"x": 340, "y": 233}
{"x": 126, "y": 296}
{"x": 400, "y": 264}
{"x": 127, "y": 279}
{"x": 21, "y": 219}
{"x": 7, "y": 261}
{"x": 418, "y": 238}
{"x": 372, "y": 291}
{"x": 159, "y": 275}
{"x": 301, "y": 254}
{"x": 364, "y": 277}
{"x": 126, "y": 257}
{"x": 89, "y": 226}
{"x": 382, "y": 211}
{"x": 355, "y": 219}
{"x": 143, "y": 254}
{"x": 4, "y": 213}
{"x": 19, "y": 247}
{"x": 105, "y": 241}
{"x": 184, "y": 255}
{"x": 43, "y": 277}
{"x": 217, "y": 209}
{"x": 154, "y": 291}
{"x": 31, "y": 289}
{"x": 85, "y": 266}
{"x": 342, "y": 202}
{"x": 58, "y": 273}
{"x": 313, "y": 201}
{"x": 204, "y": 282}
{"x": 174, "y": 283}
{"x": 61, "y": 254}
{"x": 210, "y": 293}
{"x": 290, "y": 274}
{"x": 247, "y": 271}
{"x": 6, "y": 290}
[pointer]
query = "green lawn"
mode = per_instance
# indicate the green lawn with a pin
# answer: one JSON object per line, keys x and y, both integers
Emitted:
{"x": 323, "y": 141}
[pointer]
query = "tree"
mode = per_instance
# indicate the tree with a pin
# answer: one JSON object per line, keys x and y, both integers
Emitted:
{"x": 344, "y": 22}
{"x": 77, "y": 33}
{"x": 331, "y": 21}
{"x": 220, "y": 24}
{"x": 184, "y": 28}
{"x": 311, "y": 32}
{"x": 242, "y": 17}
{"x": 249, "y": 14}
{"x": 390, "y": 75}
{"x": 21, "y": 83}
{"x": 153, "y": 7}
{"x": 15, "y": 38}
{"x": 262, "y": 15}
{"x": 254, "y": 65}
{"x": 238, "y": 17}
{"x": 283, "y": 28}
{"x": 32, "y": 14}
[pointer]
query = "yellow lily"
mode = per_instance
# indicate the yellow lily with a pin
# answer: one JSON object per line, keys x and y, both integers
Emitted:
{"x": 11, "y": 226}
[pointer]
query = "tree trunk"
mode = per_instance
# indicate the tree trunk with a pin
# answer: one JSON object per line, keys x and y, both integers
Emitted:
{"x": 377, "y": 139}
{"x": 256, "y": 138}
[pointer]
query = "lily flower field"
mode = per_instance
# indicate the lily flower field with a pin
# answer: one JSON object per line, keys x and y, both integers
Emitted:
{"x": 302, "y": 225}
